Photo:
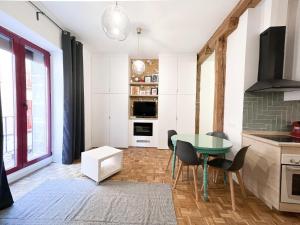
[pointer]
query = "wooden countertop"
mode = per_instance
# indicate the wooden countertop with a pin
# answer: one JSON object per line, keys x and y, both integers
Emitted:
{"x": 251, "y": 134}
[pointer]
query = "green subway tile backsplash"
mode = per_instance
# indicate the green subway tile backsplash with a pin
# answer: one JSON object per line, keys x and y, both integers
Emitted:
{"x": 268, "y": 111}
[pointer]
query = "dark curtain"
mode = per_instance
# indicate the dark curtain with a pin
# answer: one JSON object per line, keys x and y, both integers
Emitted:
{"x": 73, "y": 134}
{"x": 6, "y": 199}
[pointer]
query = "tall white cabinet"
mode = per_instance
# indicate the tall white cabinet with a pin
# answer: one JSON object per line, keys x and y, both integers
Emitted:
{"x": 110, "y": 100}
{"x": 177, "y": 95}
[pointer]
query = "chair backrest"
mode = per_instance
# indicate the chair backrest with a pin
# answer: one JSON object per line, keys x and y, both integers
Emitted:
{"x": 239, "y": 159}
{"x": 186, "y": 153}
{"x": 170, "y": 134}
{"x": 218, "y": 134}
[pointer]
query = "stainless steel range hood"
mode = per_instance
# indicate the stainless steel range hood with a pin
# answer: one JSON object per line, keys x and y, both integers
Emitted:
{"x": 271, "y": 58}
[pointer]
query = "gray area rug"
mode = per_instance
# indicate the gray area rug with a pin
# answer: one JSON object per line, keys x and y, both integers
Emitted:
{"x": 80, "y": 201}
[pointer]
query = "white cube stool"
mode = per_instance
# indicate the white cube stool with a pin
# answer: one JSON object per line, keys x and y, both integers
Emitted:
{"x": 100, "y": 163}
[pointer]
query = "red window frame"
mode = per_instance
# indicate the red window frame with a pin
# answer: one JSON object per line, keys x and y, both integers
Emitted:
{"x": 18, "y": 48}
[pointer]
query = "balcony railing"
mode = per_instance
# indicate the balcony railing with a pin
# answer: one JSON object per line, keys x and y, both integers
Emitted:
{"x": 9, "y": 141}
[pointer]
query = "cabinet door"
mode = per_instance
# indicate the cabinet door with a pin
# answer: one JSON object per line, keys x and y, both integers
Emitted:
{"x": 119, "y": 70}
{"x": 166, "y": 118}
{"x": 186, "y": 114}
{"x": 100, "y": 74}
{"x": 167, "y": 74}
{"x": 100, "y": 119}
{"x": 187, "y": 69}
{"x": 118, "y": 130}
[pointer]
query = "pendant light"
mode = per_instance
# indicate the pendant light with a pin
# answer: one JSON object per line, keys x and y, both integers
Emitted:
{"x": 115, "y": 23}
{"x": 138, "y": 66}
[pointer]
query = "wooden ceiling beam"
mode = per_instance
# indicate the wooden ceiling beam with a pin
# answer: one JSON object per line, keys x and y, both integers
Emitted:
{"x": 226, "y": 28}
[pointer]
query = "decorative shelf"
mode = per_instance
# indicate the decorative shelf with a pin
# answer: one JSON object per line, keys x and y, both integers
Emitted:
{"x": 144, "y": 83}
{"x": 149, "y": 96}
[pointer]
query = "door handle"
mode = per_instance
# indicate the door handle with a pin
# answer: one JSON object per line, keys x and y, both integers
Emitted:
{"x": 25, "y": 105}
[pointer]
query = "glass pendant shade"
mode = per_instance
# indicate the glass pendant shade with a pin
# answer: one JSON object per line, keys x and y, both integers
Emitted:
{"x": 115, "y": 23}
{"x": 138, "y": 66}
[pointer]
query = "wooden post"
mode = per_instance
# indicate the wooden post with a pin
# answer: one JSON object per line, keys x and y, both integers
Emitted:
{"x": 217, "y": 42}
{"x": 220, "y": 72}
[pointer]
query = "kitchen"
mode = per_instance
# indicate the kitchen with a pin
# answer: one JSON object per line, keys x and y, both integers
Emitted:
{"x": 271, "y": 119}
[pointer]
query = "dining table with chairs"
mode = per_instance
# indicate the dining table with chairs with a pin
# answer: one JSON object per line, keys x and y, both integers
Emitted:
{"x": 206, "y": 146}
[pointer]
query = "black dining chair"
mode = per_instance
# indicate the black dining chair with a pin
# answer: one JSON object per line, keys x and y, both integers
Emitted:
{"x": 232, "y": 167}
{"x": 188, "y": 157}
{"x": 170, "y": 144}
{"x": 219, "y": 134}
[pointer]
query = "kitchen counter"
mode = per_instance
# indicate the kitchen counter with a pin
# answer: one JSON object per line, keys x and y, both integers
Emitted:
{"x": 251, "y": 135}
{"x": 262, "y": 168}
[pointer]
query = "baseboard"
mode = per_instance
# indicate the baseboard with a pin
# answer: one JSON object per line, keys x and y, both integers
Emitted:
{"x": 28, "y": 170}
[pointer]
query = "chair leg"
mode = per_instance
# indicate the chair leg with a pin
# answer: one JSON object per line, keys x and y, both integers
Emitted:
{"x": 171, "y": 155}
{"x": 212, "y": 171}
{"x": 216, "y": 176}
{"x": 241, "y": 183}
{"x": 178, "y": 174}
{"x": 231, "y": 190}
{"x": 182, "y": 174}
{"x": 195, "y": 181}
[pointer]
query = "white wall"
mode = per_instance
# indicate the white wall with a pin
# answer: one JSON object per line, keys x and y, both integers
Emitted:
{"x": 234, "y": 83}
{"x": 87, "y": 97}
{"x": 22, "y": 14}
{"x": 242, "y": 61}
{"x": 57, "y": 91}
{"x": 292, "y": 56}
{"x": 207, "y": 94}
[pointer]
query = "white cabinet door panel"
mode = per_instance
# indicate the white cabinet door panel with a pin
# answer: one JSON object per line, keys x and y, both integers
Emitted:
{"x": 186, "y": 114}
{"x": 100, "y": 74}
{"x": 166, "y": 118}
{"x": 118, "y": 128}
{"x": 119, "y": 69}
{"x": 100, "y": 119}
{"x": 167, "y": 74}
{"x": 187, "y": 69}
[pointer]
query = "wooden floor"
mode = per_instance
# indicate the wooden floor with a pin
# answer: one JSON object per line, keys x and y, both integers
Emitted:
{"x": 148, "y": 165}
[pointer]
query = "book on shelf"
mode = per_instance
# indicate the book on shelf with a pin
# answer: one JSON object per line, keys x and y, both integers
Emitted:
{"x": 134, "y": 90}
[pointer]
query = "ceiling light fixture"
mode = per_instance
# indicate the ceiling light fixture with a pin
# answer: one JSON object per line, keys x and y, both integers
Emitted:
{"x": 138, "y": 66}
{"x": 115, "y": 23}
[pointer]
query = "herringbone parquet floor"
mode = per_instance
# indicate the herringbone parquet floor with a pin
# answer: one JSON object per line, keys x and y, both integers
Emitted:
{"x": 148, "y": 165}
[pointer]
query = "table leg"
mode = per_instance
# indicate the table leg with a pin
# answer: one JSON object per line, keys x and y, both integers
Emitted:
{"x": 174, "y": 162}
{"x": 205, "y": 178}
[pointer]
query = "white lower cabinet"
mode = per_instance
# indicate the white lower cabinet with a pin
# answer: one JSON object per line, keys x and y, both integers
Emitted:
{"x": 100, "y": 119}
{"x": 118, "y": 127}
{"x": 110, "y": 120}
{"x": 167, "y": 106}
{"x": 175, "y": 112}
{"x": 186, "y": 114}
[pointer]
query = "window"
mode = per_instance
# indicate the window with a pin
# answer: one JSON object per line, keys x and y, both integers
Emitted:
{"x": 25, "y": 97}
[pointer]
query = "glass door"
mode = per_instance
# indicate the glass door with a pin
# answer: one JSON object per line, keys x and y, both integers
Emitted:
{"x": 36, "y": 103}
{"x": 25, "y": 96}
{"x": 8, "y": 100}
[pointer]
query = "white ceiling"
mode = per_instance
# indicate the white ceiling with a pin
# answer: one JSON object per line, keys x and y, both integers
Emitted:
{"x": 168, "y": 26}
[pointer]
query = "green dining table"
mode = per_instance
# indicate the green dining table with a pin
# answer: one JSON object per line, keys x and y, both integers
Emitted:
{"x": 206, "y": 145}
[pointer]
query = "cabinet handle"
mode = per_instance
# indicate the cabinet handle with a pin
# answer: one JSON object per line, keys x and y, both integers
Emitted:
{"x": 296, "y": 162}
